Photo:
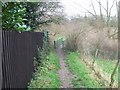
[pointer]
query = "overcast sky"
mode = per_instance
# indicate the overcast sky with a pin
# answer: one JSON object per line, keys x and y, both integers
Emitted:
{"x": 74, "y": 7}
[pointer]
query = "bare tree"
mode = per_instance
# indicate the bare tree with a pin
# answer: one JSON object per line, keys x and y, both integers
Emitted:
{"x": 107, "y": 9}
{"x": 113, "y": 73}
{"x": 94, "y": 9}
{"x": 91, "y": 13}
{"x": 118, "y": 62}
{"x": 101, "y": 15}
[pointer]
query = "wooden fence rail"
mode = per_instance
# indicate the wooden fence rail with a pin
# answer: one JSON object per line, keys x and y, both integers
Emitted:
{"x": 19, "y": 49}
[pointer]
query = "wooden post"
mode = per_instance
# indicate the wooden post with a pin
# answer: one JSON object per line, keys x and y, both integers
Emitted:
{"x": 0, "y": 59}
{"x": 55, "y": 44}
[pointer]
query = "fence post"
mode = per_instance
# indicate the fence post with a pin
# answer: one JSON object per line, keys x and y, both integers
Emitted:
{"x": 0, "y": 59}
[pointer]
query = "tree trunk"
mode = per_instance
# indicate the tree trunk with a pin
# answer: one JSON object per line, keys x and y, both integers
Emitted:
{"x": 117, "y": 64}
{"x": 113, "y": 74}
{"x": 101, "y": 15}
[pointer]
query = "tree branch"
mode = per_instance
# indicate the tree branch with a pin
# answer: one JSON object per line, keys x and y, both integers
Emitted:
{"x": 111, "y": 8}
{"x": 93, "y": 8}
{"x": 102, "y": 6}
{"x": 91, "y": 13}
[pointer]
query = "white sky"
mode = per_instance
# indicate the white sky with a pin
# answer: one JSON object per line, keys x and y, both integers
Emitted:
{"x": 74, "y": 7}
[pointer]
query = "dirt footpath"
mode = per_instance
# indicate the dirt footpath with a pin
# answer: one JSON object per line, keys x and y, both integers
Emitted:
{"x": 64, "y": 75}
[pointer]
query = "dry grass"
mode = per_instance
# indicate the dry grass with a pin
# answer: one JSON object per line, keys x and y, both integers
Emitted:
{"x": 86, "y": 37}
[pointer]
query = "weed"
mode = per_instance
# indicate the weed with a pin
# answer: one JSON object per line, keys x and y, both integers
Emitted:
{"x": 46, "y": 75}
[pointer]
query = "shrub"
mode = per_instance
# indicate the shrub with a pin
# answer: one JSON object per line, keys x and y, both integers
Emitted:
{"x": 71, "y": 44}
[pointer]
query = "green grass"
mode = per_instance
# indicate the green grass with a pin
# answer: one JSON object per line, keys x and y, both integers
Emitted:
{"x": 82, "y": 72}
{"x": 108, "y": 66}
{"x": 46, "y": 75}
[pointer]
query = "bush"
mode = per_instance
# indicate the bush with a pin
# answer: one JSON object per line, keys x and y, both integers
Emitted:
{"x": 93, "y": 41}
{"x": 71, "y": 44}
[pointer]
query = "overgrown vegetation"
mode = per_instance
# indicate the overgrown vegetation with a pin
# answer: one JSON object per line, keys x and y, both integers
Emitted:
{"x": 71, "y": 46}
{"x": 46, "y": 66}
{"x": 91, "y": 39}
{"x": 88, "y": 39}
{"x": 83, "y": 73}
{"x": 45, "y": 75}
{"x": 108, "y": 66}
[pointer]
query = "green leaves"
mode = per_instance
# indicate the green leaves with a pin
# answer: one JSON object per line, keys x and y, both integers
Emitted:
{"x": 25, "y": 16}
{"x": 13, "y": 16}
{"x": 20, "y": 27}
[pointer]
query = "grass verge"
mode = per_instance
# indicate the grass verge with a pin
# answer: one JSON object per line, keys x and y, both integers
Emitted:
{"x": 81, "y": 71}
{"x": 107, "y": 66}
{"x": 46, "y": 75}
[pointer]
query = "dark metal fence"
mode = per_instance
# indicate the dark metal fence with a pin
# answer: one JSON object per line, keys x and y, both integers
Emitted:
{"x": 19, "y": 49}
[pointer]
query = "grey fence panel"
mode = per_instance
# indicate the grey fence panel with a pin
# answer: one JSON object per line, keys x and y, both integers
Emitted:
{"x": 19, "y": 49}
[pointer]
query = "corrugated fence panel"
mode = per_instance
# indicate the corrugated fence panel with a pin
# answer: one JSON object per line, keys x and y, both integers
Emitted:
{"x": 19, "y": 49}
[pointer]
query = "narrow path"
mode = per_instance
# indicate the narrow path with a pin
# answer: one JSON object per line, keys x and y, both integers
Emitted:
{"x": 65, "y": 76}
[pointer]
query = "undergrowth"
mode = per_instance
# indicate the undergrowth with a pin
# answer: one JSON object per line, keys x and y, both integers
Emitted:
{"x": 46, "y": 74}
